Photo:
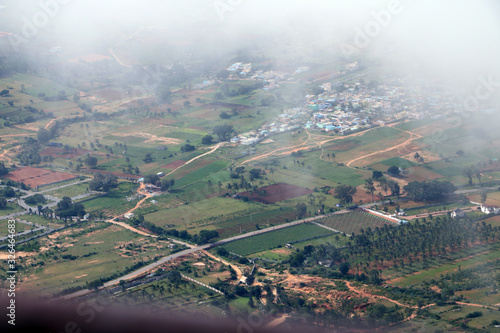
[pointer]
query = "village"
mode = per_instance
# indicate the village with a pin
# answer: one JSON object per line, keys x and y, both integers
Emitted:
{"x": 342, "y": 108}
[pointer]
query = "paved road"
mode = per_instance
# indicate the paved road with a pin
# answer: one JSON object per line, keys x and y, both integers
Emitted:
{"x": 195, "y": 248}
{"x": 140, "y": 271}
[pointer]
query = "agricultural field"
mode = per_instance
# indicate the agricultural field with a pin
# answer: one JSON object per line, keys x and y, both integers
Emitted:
{"x": 69, "y": 191}
{"x": 274, "y": 239}
{"x": 353, "y": 222}
{"x": 94, "y": 250}
{"x": 275, "y": 193}
{"x": 35, "y": 177}
{"x": 115, "y": 202}
{"x": 337, "y": 240}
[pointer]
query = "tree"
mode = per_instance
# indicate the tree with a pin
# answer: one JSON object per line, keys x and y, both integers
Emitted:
{"x": 223, "y": 131}
{"x": 148, "y": 158}
{"x": 187, "y": 147}
{"x": 345, "y": 193}
{"x": 43, "y": 136}
{"x": 429, "y": 191}
{"x": 4, "y": 93}
{"x": 91, "y": 161}
{"x": 163, "y": 93}
{"x": 394, "y": 171}
{"x": 300, "y": 210}
{"x": 103, "y": 182}
{"x": 187, "y": 104}
{"x": 207, "y": 139}
{"x": 174, "y": 277}
{"x": 460, "y": 152}
{"x": 484, "y": 196}
{"x": 369, "y": 186}
{"x": 224, "y": 115}
{"x": 377, "y": 175}
{"x": 3, "y": 169}
{"x": 344, "y": 268}
{"x": 468, "y": 172}
{"x": 167, "y": 184}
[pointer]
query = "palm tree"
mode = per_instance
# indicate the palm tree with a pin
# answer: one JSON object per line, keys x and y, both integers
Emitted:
{"x": 369, "y": 186}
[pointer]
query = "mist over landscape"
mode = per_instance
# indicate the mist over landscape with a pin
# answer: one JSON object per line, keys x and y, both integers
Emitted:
{"x": 256, "y": 165}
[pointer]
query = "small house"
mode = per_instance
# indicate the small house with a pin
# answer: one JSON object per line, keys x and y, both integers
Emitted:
{"x": 128, "y": 216}
{"x": 457, "y": 213}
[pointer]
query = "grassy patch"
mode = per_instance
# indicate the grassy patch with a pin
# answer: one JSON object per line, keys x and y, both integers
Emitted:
{"x": 274, "y": 239}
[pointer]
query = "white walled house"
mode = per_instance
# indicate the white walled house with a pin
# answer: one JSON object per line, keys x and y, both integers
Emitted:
{"x": 490, "y": 209}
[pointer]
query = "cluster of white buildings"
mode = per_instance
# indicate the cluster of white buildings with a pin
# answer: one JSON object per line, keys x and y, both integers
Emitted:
{"x": 240, "y": 68}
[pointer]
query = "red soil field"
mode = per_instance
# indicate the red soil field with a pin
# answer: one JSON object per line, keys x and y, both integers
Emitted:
{"x": 174, "y": 164}
{"x": 56, "y": 152}
{"x": 34, "y": 177}
{"x": 275, "y": 193}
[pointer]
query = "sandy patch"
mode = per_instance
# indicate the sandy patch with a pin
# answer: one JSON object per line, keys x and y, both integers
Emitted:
{"x": 198, "y": 264}
{"x": 268, "y": 141}
{"x": 151, "y": 138}
{"x": 5, "y": 255}
{"x": 427, "y": 155}
{"x": 89, "y": 262}
{"x": 282, "y": 251}
{"x": 79, "y": 276}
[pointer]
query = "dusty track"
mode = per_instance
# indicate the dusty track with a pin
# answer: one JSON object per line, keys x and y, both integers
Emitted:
{"x": 413, "y": 136}
{"x": 214, "y": 148}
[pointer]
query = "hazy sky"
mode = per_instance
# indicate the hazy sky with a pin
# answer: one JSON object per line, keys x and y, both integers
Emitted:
{"x": 451, "y": 38}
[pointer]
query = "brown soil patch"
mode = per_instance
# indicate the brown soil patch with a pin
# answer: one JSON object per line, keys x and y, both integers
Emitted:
{"x": 109, "y": 94}
{"x": 151, "y": 138}
{"x": 427, "y": 155}
{"x": 5, "y": 255}
{"x": 418, "y": 173}
{"x": 344, "y": 145}
{"x": 56, "y": 152}
{"x": 362, "y": 196}
{"x": 275, "y": 193}
{"x": 34, "y": 177}
{"x": 282, "y": 251}
{"x": 80, "y": 276}
{"x": 174, "y": 164}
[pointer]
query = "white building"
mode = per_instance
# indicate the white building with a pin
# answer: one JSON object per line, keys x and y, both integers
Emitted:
{"x": 490, "y": 209}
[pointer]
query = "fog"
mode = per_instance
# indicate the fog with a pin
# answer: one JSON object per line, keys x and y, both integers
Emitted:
{"x": 456, "y": 40}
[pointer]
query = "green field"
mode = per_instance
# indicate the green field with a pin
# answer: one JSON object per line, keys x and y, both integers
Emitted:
{"x": 274, "y": 239}
{"x": 69, "y": 191}
{"x": 337, "y": 240}
{"x": 438, "y": 269}
{"x": 201, "y": 173}
{"x": 353, "y": 222}
{"x": 115, "y": 201}
{"x": 101, "y": 250}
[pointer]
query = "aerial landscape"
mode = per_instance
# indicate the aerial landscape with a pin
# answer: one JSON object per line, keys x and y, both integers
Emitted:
{"x": 332, "y": 166}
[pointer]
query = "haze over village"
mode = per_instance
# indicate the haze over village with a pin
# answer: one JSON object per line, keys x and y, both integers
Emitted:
{"x": 250, "y": 165}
